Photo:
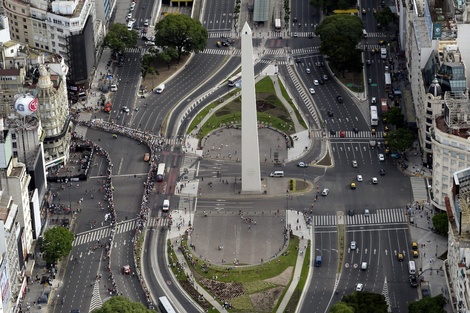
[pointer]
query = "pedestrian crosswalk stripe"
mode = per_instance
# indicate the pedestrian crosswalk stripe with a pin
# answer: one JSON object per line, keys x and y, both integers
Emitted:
{"x": 381, "y": 216}
{"x": 378, "y": 34}
{"x": 305, "y": 34}
{"x": 348, "y": 134}
{"x": 222, "y": 51}
{"x": 103, "y": 232}
{"x": 221, "y": 35}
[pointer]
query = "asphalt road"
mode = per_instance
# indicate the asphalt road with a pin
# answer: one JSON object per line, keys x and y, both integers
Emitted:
{"x": 303, "y": 18}
{"x": 218, "y": 15}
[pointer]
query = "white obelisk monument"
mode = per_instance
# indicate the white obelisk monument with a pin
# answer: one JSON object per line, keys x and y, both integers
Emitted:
{"x": 251, "y": 176}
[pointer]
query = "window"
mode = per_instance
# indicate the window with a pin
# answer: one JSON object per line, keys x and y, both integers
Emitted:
{"x": 13, "y": 136}
{"x": 14, "y": 145}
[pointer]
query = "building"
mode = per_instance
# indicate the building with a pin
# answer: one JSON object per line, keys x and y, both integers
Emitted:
{"x": 458, "y": 254}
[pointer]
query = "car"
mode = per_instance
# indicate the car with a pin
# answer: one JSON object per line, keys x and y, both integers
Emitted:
{"x": 425, "y": 291}
{"x": 355, "y": 130}
{"x": 312, "y": 91}
{"x": 125, "y": 109}
{"x": 374, "y": 180}
{"x": 382, "y": 42}
{"x": 329, "y": 113}
{"x": 129, "y": 16}
{"x": 359, "y": 178}
{"x": 352, "y": 185}
{"x": 369, "y": 81}
{"x": 373, "y": 100}
{"x": 366, "y": 212}
{"x": 386, "y": 68}
{"x": 131, "y": 9}
{"x": 302, "y": 164}
{"x": 364, "y": 11}
{"x": 368, "y": 62}
{"x": 354, "y": 163}
{"x": 400, "y": 256}
{"x": 351, "y": 212}
{"x": 359, "y": 287}
{"x": 415, "y": 254}
{"x": 381, "y": 157}
{"x": 342, "y": 134}
{"x": 325, "y": 192}
{"x": 325, "y": 77}
{"x": 294, "y": 35}
{"x": 315, "y": 82}
{"x": 132, "y": 20}
{"x": 339, "y": 99}
{"x": 414, "y": 245}
{"x": 307, "y": 70}
{"x": 146, "y": 23}
{"x": 149, "y": 43}
{"x": 353, "y": 245}
{"x": 297, "y": 61}
{"x": 382, "y": 172}
{"x": 126, "y": 269}
{"x": 332, "y": 132}
{"x": 413, "y": 280}
{"x": 363, "y": 265}
{"x": 295, "y": 20}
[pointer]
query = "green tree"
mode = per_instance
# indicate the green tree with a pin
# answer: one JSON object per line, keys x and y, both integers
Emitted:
{"x": 385, "y": 17}
{"x": 181, "y": 32}
{"x": 348, "y": 26}
{"x": 341, "y": 307}
{"x": 394, "y": 116}
{"x": 429, "y": 305}
{"x": 119, "y": 38}
{"x": 401, "y": 139}
{"x": 167, "y": 55}
{"x": 331, "y": 5}
{"x": 441, "y": 223}
{"x": 366, "y": 302}
{"x": 122, "y": 305}
{"x": 56, "y": 244}
{"x": 147, "y": 62}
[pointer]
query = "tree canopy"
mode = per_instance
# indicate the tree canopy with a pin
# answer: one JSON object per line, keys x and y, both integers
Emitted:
{"x": 341, "y": 307}
{"x": 364, "y": 302}
{"x": 330, "y": 5}
{"x": 428, "y": 305}
{"x": 181, "y": 32}
{"x": 385, "y": 17}
{"x": 56, "y": 244}
{"x": 441, "y": 223}
{"x": 394, "y": 116}
{"x": 339, "y": 36}
{"x": 401, "y": 139}
{"x": 119, "y": 38}
{"x": 122, "y": 305}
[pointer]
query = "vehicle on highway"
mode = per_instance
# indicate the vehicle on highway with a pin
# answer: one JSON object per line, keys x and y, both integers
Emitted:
{"x": 150, "y": 43}
{"x": 352, "y": 185}
{"x": 302, "y": 164}
{"x": 146, "y": 23}
{"x": 160, "y": 88}
{"x": 233, "y": 80}
{"x": 413, "y": 281}
{"x": 366, "y": 212}
{"x": 325, "y": 77}
{"x": 297, "y": 61}
{"x": 318, "y": 260}
{"x": 414, "y": 245}
{"x": 359, "y": 178}
{"x": 277, "y": 174}
{"x": 325, "y": 192}
{"x": 351, "y": 212}
{"x": 359, "y": 287}
{"x": 165, "y": 306}
{"x": 125, "y": 109}
{"x": 294, "y": 35}
{"x": 415, "y": 254}
{"x": 339, "y": 99}
{"x": 363, "y": 265}
{"x": 382, "y": 172}
{"x": 374, "y": 180}
{"x": 126, "y": 269}
{"x": 364, "y": 11}
{"x": 342, "y": 134}
{"x": 353, "y": 245}
{"x": 412, "y": 268}
{"x": 381, "y": 157}
{"x": 354, "y": 163}
{"x": 113, "y": 87}
{"x": 312, "y": 91}
{"x": 369, "y": 62}
{"x": 129, "y": 16}
{"x": 161, "y": 169}
{"x": 373, "y": 100}
{"x": 307, "y": 70}
{"x": 315, "y": 82}
{"x": 166, "y": 205}
{"x": 400, "y": 256}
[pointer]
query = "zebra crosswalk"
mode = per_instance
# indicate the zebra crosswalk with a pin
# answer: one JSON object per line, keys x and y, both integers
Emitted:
{"x": 139, "y": 50}
{"x": 221, "y": 35}
{"x": 382, "y": 216}
{"x": 103, "y": 232}
{"x": 348, "y": 134}
{"x": 377, "y": 34}
{"x": 222, "y": 51}
{"x": 278, "y": 62}
{"x": 305, "y": 34}
{"x": 305, "y": 50}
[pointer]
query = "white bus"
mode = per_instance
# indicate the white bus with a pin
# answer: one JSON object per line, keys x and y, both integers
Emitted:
{"x": 388, "y": 82}
{"x": 383, "y": 53}
{"x": 277, "y": 24}
{"x": 164, "y": 305}
{"x": 232, "y": 81}
{"x": 374, "y": 117}
{"x": 161, "y": 171}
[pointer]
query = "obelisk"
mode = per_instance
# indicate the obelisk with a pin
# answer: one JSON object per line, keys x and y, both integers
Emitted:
{"x": 251, "y": 175}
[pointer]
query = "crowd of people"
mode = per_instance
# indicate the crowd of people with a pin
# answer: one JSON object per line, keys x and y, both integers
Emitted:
{"x": 155, "y": 143}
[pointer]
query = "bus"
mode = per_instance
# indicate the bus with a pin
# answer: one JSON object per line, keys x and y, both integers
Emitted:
{"x": 233, "y": 81}
{"x": 349, "y": 11}
{"x": 277, "y": 24}
{"x": 161, "y": 171}
{"x": 388, "y": 82}
{"x": 374, "y": 118}
{"x": 165, "y": 306}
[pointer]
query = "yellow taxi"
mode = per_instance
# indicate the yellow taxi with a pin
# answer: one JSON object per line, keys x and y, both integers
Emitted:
{"x": 400, "y": 256}
{"x": 353, "y": 185}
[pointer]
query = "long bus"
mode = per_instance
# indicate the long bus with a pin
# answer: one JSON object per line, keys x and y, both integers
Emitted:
{"x": 374, "y": 117}
{"x": 165, "y": 306}
{"x": 388, "y": 82}
{"x": 232, "y": 81}
{"x": 277, "y": 24}
{"x": 161, "y": 171}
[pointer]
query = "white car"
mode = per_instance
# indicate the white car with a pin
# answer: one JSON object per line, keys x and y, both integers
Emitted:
{"x": 146, "y": 23}
{"x": 307, "y": 70}
{"x": 125, "y": 109}
{"x": 363, "y": 265}
{"x": 312, "y": 91}
{"x": 374, "y": 180}
{"x": 325, "y": 192}
{"x": 373, "y": 100}
{"x": 354, "y": 163}
{"x": 366, "y": 212}
{"x": 302, "y": 164}
{"x": 381, "y": 157}
{"x": 150, "y": 43}
{"x": 316, "y": 83}
{"x": 353, "y": 245}
{"x": 129, "y": 16}
{"x": 359, "y": 287}
{"x": 132, "y": 20}
{"x": 359, "y": 178}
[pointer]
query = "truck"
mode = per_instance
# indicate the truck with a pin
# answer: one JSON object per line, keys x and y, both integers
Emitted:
{"x": 384, "y": 105}
{"x": 108, "y": 107}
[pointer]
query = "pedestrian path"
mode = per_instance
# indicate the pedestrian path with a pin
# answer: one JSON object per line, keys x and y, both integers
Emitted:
{"x": 138, "y": 50}
{"x": 305, "y": 34}
{"x": 419, "y": 188}
{"x": 270, "y": 61}
{"x": 369, "y": 47}
{"x": 348, "y": 134}
{"x": 221, "y": 35}
{"x": 96, "y": 301}
{"x": 377, "y": 34}
{"x": 222, "y": 51}
{"x": 305, "y": 50}
{"x": 158, "y": 221}
{"x": 382, "y": 216}
{"x": 103, "y": 232}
